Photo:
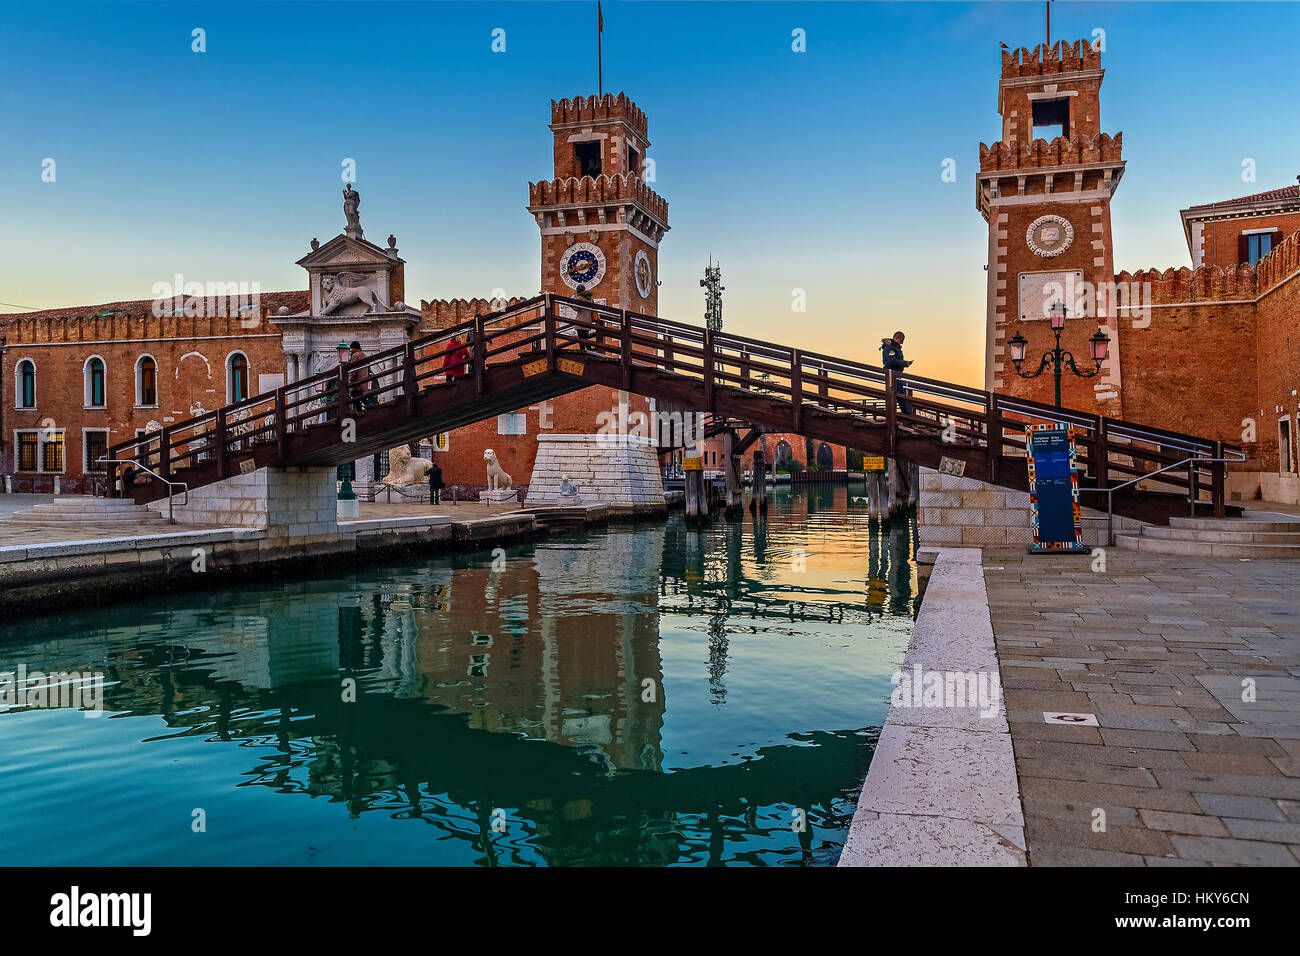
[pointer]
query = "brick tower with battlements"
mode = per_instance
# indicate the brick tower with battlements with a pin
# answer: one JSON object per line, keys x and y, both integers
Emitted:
{"x": 1045, "y": 189}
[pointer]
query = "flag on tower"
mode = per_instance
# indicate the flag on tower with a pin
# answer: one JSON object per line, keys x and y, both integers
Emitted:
{"x": 600, "y": 67}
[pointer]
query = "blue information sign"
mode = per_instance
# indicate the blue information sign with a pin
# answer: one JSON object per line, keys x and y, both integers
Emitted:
{"x": 1054, "y": 488}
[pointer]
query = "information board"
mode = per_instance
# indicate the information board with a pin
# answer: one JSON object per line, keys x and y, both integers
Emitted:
{"x": 1054, "y": 488}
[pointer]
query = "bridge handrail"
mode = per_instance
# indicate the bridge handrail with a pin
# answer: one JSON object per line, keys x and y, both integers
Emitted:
{"x": 807, "y": 380}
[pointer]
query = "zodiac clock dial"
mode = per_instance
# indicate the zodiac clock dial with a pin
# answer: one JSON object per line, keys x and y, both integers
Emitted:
{"x": 582, "y": 264}
{"x": 644, "y": 277}
{"x": 1049, "y": 236}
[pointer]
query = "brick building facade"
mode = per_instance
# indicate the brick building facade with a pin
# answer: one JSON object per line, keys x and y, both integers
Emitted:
{"x": 1211, "y": 350}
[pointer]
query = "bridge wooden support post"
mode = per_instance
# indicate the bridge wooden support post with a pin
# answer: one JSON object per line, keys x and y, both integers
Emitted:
{"x": 758, "y": 498}
{"x": 282, "y": 421}
{"x": 1101, "y": 454}
{"x": 735, "y": 487}
{"x": 1218, "y": 480}
{"x": 219, "y": 440}
{"x": 993, "y": 435}
{"x": 548, "y": 325}
{"x": 796, "y": 391}
{"x": 165, "y": 453}
{"x": 480, "y": 354}
{"x": 408, "y": 379}
{"x": 625, "y": 349}
{"x": 891, "y": 421}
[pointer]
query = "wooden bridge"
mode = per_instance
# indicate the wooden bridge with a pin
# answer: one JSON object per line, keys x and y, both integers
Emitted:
{"x": 551, "y": 345}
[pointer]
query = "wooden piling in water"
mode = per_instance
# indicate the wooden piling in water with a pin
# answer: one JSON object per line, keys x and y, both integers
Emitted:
{"x": 697, "y": 495}
{"x": 735, "y": 487}
{"x": 758, "y": 500}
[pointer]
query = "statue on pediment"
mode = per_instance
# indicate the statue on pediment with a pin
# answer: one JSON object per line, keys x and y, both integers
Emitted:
{"x": 352, "y": 210}
{"x": 344, "y": 288}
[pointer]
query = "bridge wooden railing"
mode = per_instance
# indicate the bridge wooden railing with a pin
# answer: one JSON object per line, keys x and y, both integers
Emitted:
{"x": 686, "y": 363}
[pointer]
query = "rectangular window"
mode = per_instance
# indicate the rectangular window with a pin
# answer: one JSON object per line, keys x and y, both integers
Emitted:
{"x": 1253, "y": 246}
{"x": 52, "y": 453}
{"x": 588, "y": 157}
{"x": 1051, "y": 119}
{"x": 27, "y": 444}
{"x": 1285, "y": 461}
{"x": 632, "y": 166}
{"x": 148, "y": 384}
{"x": 96, "y": 448}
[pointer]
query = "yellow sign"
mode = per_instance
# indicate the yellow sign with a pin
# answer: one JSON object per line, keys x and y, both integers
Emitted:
{"x": 570, "y": 366}
{"x": 440, "y": 441}
{"x": 691, "y": 464}
{"x": 534, "y": 368}
{"x": 873, "y": 463}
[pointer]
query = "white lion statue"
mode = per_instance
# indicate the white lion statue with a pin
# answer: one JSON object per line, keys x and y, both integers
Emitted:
{"x": 497, "y": 477}
{"x": 404, "y": 468}
{"x": 345, "y": 288}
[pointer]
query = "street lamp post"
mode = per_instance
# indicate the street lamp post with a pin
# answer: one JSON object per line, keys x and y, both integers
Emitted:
{"x": 348, "y": 506}
{"x": 1057, "y": 357}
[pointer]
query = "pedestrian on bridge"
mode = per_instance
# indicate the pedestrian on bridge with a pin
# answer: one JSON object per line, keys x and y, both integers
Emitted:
{"x": 455, "y": 362}
{"x": 583, "y": 317}
{"x": 434, "y": 474}
{"x": 891, "y": 351}
{"x": 358, "y": 387}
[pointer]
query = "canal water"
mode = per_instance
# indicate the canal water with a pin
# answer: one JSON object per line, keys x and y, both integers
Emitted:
{"x": 630, "y": 695}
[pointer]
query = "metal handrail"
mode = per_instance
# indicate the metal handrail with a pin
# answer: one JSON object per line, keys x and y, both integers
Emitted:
{"x": 1110, "y": 490}
{"x": 171, "y": 517}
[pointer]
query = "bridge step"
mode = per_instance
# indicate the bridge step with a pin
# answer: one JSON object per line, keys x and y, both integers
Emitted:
{"x": 1218, "y": 538}
{"x": 63, "y": 512}
{"x": 1232, "y": 524}
{"x": 1225, "y": 537}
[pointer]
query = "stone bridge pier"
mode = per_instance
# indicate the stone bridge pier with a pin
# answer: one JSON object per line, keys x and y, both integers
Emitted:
{"x": 296, "y": 505}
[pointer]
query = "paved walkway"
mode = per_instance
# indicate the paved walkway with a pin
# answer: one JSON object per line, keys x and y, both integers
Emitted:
{"x": 1157, "y": 647}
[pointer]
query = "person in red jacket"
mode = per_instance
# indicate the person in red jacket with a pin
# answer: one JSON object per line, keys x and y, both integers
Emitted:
{"x": 455, "y": 364}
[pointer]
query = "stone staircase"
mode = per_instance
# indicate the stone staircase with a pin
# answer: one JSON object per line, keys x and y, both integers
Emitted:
{"x": 1218, "y": 538}
{"x": 77, "y": 512}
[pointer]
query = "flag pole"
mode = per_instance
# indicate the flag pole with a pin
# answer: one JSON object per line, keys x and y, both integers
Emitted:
{"x": 600, "y": 66}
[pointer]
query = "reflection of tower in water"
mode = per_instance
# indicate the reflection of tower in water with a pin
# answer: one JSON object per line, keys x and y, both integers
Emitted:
{"x": 563, "y": 647}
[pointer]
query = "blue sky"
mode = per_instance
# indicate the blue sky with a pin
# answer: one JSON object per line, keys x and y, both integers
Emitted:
{"x": 817, "y": 170}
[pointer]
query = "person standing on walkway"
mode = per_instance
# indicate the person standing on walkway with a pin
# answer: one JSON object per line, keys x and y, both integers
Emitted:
{"x": 434, "y": 474}
{"x": 891, "y": 352}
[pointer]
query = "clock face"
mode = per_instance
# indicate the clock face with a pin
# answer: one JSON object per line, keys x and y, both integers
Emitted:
{"x": 644, "y": 278}
{"x": 1049, "y": 236}
{"x": 582, "y": 264}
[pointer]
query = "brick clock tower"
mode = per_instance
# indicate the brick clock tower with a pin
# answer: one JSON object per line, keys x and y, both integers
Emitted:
{"x": 601, "y": 226}
{"x": 1045, "y": 189}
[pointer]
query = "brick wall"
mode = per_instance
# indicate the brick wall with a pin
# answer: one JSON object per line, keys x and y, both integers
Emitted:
{"x": 191, "y": 355}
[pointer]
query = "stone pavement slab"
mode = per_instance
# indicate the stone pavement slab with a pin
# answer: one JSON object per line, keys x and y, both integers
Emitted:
{"x": 1192, "y": 669}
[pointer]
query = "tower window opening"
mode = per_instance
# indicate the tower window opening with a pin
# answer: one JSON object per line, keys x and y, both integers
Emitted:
{"x": 632, "y": 165}
{"x": 588, "y": 157}
{"x": 1054, "y": 118}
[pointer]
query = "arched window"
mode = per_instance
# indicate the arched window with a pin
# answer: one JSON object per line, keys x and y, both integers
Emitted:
{"x": 236, "y": 377}
{"x": 783, "y": 451}
{"x": 146, "y": 382}
{"x": 825, "y": 457}
{"x": 96, "y": 396}
{"x": 25, "y": 384}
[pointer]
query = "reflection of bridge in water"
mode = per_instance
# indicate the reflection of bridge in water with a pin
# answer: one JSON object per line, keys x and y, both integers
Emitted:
{"x": 724, "y": 573}
{"x": 521, "y": 689}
